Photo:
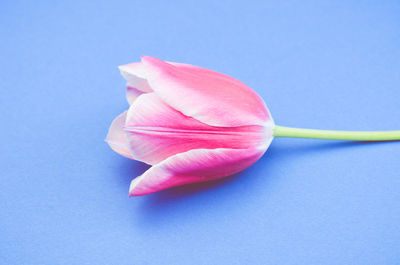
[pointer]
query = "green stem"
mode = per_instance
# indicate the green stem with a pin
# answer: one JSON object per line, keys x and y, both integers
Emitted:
{"x": 280, "y": 131}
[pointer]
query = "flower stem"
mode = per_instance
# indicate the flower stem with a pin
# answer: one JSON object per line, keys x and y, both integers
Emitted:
{"x": 281, "y": 131}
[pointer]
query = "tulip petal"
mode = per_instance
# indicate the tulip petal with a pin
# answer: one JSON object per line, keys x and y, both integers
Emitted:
{"x": 116, "y": 136}
{"x": 196, "y": 165}
{"x": 132, "y": 94}
{"x": 210, "y": 97}
{"x": 155, "y": 131}
{"x": 134, "y": 73}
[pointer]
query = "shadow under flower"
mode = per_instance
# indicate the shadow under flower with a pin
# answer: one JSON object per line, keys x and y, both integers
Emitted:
{"x": 182, "y": 204}
{"x": 174, "y": 194}
{"x": 277, "y": 154}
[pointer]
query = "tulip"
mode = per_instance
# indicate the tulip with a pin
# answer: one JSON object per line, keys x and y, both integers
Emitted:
{"x": 191, "y": 124}
{"x": 194, "y": 125}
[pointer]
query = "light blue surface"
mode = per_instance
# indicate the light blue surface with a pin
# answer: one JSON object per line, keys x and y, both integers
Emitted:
{"x": 323, "y": 65}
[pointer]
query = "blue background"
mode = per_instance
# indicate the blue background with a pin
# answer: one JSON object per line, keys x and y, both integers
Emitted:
{"x": 322, "y": 64}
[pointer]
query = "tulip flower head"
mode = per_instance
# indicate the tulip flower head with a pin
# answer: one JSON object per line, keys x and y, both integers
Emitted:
{"x": 192, "y": 125}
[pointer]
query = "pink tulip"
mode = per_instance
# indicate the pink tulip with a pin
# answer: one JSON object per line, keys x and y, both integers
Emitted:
{"x": 191, "y": 124}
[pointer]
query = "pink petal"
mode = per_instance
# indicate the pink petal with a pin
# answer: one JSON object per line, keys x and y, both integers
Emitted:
{"x": 210, "y": 97}
{"x": 134, "y": 73}
{"x": 132, "y": 94}
{"x": 155, "y": 131}
{"x": 196, "y": 165}
{"x": 116, "y": 136}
